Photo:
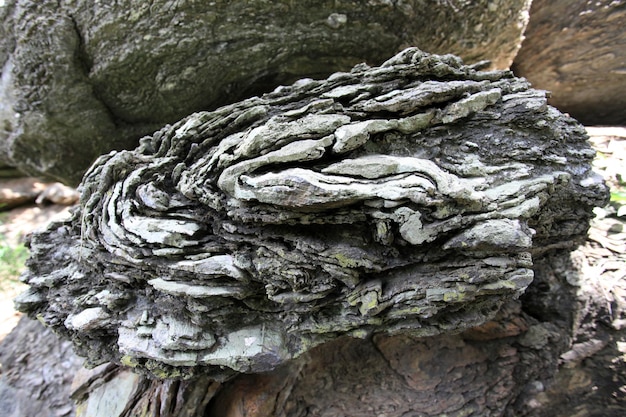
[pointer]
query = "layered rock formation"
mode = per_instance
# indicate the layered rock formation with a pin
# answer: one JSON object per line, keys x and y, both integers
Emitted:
{"x": 80, "y": 78}
{"x": 411, "y": 198}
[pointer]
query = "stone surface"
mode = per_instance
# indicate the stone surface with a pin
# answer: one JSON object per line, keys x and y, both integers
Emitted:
{"x": 16, "y": 192}
{"x": 552, "y": 353}
{"x": 110, "y": 391}
{"x": 588, "y": 382}
{"x": 577, "y": 50}
{"x": 80, "y": 78}
{"x": 36, "y": 373}
{"x": 591, "y": 379}
{"x": 411, "y": 198}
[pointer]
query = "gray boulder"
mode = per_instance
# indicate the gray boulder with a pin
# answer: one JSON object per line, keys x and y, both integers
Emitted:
{"x": 413, "y": 197}
{"x": 81, "y": 78}
{"x": 577, "y": 50}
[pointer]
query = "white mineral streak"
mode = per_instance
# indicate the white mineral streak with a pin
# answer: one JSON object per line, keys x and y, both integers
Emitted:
{"x": 297, "y": 187}
{"x": 171, "y": 333}
{"x": 165, "y": 231}
{"x": 131, "y": 343}
{"x": 493, "y": 235}
{"x": 315, "y": 105}
{"x": 472, "y": 104}
{"x": 220, "y": 265}
{"x": 523, "y": 188}
{"x": 294, "y": 188}
{"x": 277, "y": 132}
{"x": 405, "y": 101}
{"x": 365, "y": 178}
{"x": 350, "y": 137}
{"x": 303, "y": 150}
{"x": 196, "y": 291}
{"x": 348, "y": 91}
{"x": 412, "y": 229}
{"x": 152, "y": 197}
{"x": 87, "y": 319}
{"x": 237, "y": 349}
{"x": 245, "y": 344}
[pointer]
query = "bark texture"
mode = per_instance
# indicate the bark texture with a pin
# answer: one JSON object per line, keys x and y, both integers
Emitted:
{"x": 409, "y": 199}
{"x": 80, "y": 78}
{"x": 577, "y": 50}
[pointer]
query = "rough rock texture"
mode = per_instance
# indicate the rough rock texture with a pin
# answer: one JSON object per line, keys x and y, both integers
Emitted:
{"x": 80, "y": 78}
{"x": 36, "y": 373}
{"x": 591, "y": 379}
{"x": 113, "y": 392}
{"x": 577, "y": 50}
{"x": 506, "y": 367}
{"x": 399, "y": 376}
{"x": 17, "y": 192}
{"x": 407, "y": 198}
{"x": 558, "y": 351}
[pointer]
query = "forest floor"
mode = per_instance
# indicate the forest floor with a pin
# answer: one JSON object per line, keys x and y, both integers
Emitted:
{"x": 604, "y": 253}
{"x": 603, "y": 257}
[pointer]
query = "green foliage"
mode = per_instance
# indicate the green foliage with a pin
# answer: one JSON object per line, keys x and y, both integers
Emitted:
{"x": 618, "y": 197}
{"x": 12, "y": 259}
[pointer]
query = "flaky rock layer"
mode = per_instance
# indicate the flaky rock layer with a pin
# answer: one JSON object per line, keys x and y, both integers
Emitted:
{"x": 80, "y": 78}
{"x": 410, "y": 197}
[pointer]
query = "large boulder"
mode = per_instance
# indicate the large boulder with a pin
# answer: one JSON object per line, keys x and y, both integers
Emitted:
{"x": 410, "y": 198}
{"x": 577, "y": 50}
{"x": 80, "y": 78}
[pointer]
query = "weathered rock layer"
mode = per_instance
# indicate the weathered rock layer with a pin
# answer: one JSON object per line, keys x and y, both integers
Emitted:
{"x": 81, "y": 78}
{"x": 406, "y": 198}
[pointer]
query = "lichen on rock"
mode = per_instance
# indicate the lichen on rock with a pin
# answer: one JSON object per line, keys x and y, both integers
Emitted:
{"x": 80, "y": 78}
{"x": 406, "y": 198}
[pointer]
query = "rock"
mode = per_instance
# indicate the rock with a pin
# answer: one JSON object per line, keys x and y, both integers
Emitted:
{"x": 81, "y": 78}
{"x": 501, "y": 368}
{"x": 577, "y": 50}
{"x": 411, "y": 198}
{"x": 110, "y": 391}
{"x": 585, "y": 296}
{"x": 26, "y": 190}
{"x": 58, "y": 193}
{"x": 37, "y": 371}
{"x": 111, "y": 396}
{"x": 19, "y": 191}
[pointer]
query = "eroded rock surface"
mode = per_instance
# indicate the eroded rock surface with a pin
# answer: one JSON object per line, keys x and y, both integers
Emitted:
{"x": 577, "y": 50}
{"x": 36, "y": 373}
{"x": 406, "y": 198}
{"x": 80, "y": 78}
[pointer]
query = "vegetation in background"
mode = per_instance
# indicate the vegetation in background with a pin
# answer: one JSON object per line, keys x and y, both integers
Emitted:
{"x": 618, "y": 195}
{"x": 615, "y": 180}
{"x": 12, "y": 258}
